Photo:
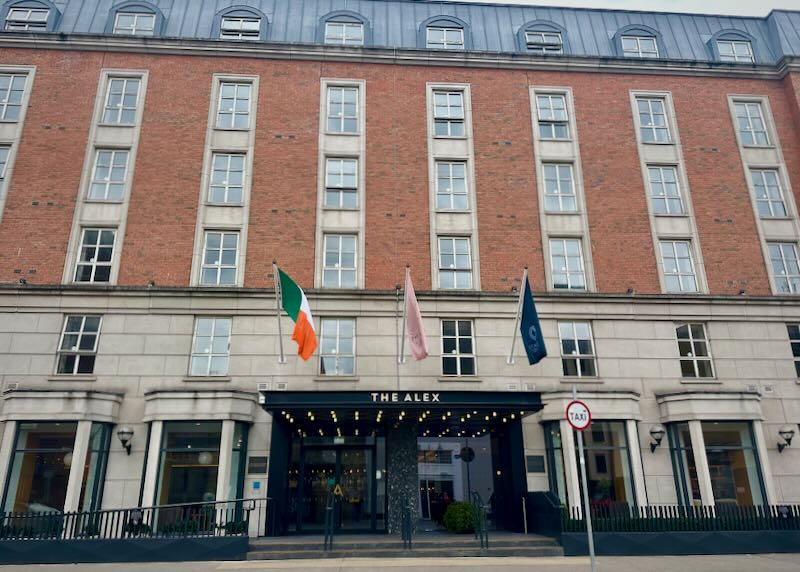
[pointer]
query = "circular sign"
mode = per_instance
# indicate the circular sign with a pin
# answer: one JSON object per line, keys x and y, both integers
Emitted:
{"x": 467, "y": 454}
{"x": 578, "y": 415}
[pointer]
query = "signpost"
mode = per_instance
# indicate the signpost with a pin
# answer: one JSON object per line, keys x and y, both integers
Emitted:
{"x": 580, "y": 418}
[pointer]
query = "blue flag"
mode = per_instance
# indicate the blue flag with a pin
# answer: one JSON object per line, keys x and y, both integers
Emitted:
{"x": 530, "y": 328}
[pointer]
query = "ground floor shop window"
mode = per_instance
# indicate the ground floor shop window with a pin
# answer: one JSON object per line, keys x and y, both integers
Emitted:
{"x": 685, "y": 469}
{"x": 94, "y": 469}
{"x": 555, "y": 461}
{"x": 608, "y": 464}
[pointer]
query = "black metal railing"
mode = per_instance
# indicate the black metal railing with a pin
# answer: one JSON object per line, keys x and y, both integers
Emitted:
{"x": 625, "y": 518}
{"x": 481, "y": 526}
{"x": 217, "y": 518}
{"x": 407, "y": 523}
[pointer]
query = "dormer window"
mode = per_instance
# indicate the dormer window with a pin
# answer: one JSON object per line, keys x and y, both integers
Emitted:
{"x": 445, "y": 38}
{"x": 342, "y": 33}
{"x": 240, "y": 28}
{"x": 639, "y": 46}
{"x": 27, "y": 19}
{"x": 544, "y": 42}
{"x": 735, "y": 51}
{"x": 135, "y": 23}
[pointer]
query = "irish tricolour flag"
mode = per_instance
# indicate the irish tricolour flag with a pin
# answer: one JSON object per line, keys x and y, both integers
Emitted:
{"x": 294, "y": 301}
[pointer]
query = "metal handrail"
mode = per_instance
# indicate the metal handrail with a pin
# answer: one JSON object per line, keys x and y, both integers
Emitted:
{"x": 481, "y": 528}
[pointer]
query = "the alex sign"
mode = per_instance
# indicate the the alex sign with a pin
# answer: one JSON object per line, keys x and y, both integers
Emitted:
{"x": 405, "y": 397}
{"x": 578, "y": 415}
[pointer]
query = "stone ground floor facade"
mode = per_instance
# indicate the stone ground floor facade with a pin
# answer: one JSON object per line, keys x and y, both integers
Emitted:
{"x": 195, "y": 382}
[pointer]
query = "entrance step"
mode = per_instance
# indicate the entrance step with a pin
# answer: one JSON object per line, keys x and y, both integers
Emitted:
{"x": 384, "y": 546}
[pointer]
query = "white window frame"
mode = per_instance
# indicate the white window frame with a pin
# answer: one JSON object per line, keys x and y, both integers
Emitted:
{"x": 665, "y": 197}
{"x": 218, "y": 266}
{"x": 651, "y": 126}
{"x": 451, "y": 117}
{"x": 336, "y": 40}
{"x": 561, "y": 194}
{"x": 136, "y": 29}
{"x": 343, "y": 118}
{"x": 548, "y": 117}
{"x": 445, "y": 44}
{"x": 337, "y": 267}
{"x": 93, "y": 263}
{"x": 458, "y": 354}
{"x": 336, "y": 323}
{"x": 105, "y": 184}
{"x": 683, "y": 276}
{"x": 225, "y": 185}
{"x": 569, "y": 274}
{"x": 340, "y": 189}
{"x": 734, "y": 56}
{"x": 211, "y": 354}
{"x": 576, "y": 355}
{"x": 120, "y": 108}
{"x": 791, "y": 279}
{"x": 758, "y": 177}
{"x": 544, "y": 42}
{"x": 75, "y": 349}
{"x": 231, "y": 111}
{"x": 793, "y": 333}
{"x": 5, "y": 96}
{"x": 232, "y": 32}
{"x": 455, "y": 269}
{"x": 750, "y": 130}
{"x": 693, "y": 357}
{"x": 639, "y": 52}
{"x": 449, "y": 194}
{"x": 21, "y": 19}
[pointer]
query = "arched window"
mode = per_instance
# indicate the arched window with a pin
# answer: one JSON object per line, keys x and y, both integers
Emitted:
{"x": 240, "y": 23}
{"x": 136, "y": 18}
{"x": 732, "y": 46}
{"x": 444, "y": 33}
{"x": 30, "y": 15}
{"x": 542, "y": 37}
{"x": 344, "y": 28}
{"x": 638, "y": 41}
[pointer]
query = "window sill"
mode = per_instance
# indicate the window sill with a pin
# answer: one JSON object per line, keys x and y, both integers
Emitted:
{"x": 459, "y": 378}
{"x": 671, "y": 215}
{"x": 341, "y": 209}
{"x": 71, "y": 377}
{"x": 581, "y": 380}
{"x": 101, "y": 201}
{"x": 341, "y": 133}
{"x": 206, "y": 378}
{"x": 125, "y": 125}
{"x": 700, "y": 380}
{"x": 210, "y": 204}
{"x": 328, "y": 378}
{"x": 658, "y": 142}
{"x": 555, "y": 140}
{"x": 776, "y": 218}
{"x": 567, "y": 213}
{"x": 758, "y": 146}
{"x": 233, "y": 129}
{"x": 451, "y": 137}
{"x": 453, "y": 211}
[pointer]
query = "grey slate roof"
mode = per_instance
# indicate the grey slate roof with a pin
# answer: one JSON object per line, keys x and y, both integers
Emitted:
{"x": 490, "y": 27}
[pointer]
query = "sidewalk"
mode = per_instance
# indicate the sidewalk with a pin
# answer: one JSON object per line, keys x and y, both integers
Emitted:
{"x": 734, "y": 563}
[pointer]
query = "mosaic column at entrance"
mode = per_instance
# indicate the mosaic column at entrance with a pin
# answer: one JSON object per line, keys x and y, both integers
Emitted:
{"x": 401, "y": 467}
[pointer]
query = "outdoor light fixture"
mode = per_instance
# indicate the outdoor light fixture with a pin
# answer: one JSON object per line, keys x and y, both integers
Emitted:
{"x": 786, "y": 434}
{"x": 125, "y": 434}
{"x": 657, "y": 433}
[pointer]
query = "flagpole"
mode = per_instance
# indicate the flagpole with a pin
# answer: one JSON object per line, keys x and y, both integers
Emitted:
{"x": 402, "y": 357}
{"x": 277, "y": 278}
{"x": 510, "y": 359}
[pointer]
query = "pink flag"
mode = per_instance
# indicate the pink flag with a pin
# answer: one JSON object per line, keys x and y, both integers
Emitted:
{"x": 416, "y": 332}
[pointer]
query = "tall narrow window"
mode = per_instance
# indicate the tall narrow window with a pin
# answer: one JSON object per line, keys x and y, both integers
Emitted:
{"x": 608, "y": 465}
{"x": 135, "y": 23}
{"x": 693, "y": 350}
{"x": 4, "y": 151}
{"x": 227, "y": 178}
{"x": 683, "y": 464}
{"x": 220, "y": 256}
{"x": 566, "y": 264}
{"x": 240, "y": 28}
{"x": 343, "y": 109}
{"x": 108, "y": 178}
{"x": 339, "y": 270}
{"x": 544, "y": 42}
{"x": 794, "y": 342}
{"x": 78, "y": 348}
{"x": 735, "y": 51}
{"x": 344, "y": 33}
{"x": 653, "y": 126}
{"x": 12, "y": 88}
{"x": 750, "y": 121}
{"x": 676, "y": 260}
{"x": 769, "y": 196}
{"x": 555, "y": 461}
{"x": 458, "y": 351}
{"x": 211, "y": 347}
{"x": 785, "y": 269}
{"x": 96, "y": 254}
{"x": 233, "y": 111}
{"x": 639, "y": 47}
{"x": 445, "y": 38}
{"x": 733, "y": 463}
{"x": 448, "y": 113}
{"x": 455, "y": 263}
{"x": 337, "y": 347}
{"x": 341, "y": 183}
{"x": 577, "y": 349}
{"x": 122, "y": 97}
{"x": 559, "y": 188}
{"x": 665, "y": 193}
{"x": 553, "y": 117}
{"x": 27, "y": 19}
{"x": 451, "y": 186}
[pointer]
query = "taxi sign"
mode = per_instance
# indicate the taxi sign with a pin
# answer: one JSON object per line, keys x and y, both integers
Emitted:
{"x": 578, "y": 415}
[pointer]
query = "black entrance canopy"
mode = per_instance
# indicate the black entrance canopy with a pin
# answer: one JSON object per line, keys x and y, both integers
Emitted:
{"x": 526, "y": 401}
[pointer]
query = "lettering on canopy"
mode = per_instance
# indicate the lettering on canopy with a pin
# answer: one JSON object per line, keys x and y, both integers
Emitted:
{"x": 409, "y": 397}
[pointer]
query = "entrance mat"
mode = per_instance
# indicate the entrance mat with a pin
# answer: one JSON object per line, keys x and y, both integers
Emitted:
{"x": 682, "y": 543}
{"x": 123, "y": 550}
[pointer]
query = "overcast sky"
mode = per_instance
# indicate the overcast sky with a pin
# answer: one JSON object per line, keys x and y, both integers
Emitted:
{"x": 741, "y": 7}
